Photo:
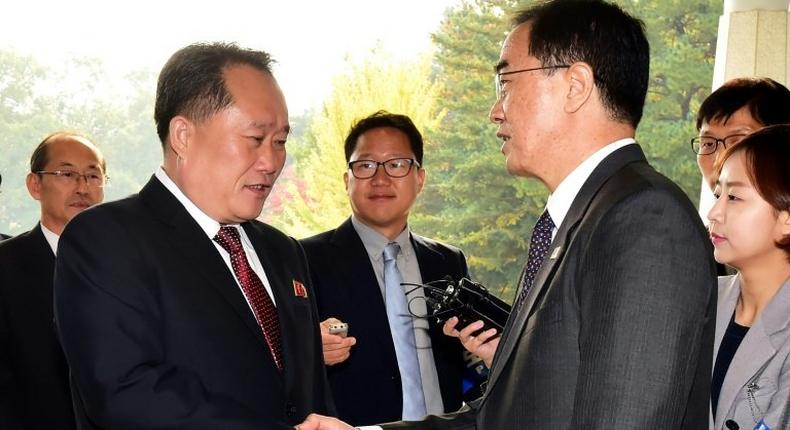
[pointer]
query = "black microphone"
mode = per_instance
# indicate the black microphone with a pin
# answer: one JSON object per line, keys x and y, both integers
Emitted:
{"x": 467, "y": 300}
{"x": 732, "y": 425}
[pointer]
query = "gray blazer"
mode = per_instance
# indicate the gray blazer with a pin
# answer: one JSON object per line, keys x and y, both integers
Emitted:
{"x": 760, "y": 368}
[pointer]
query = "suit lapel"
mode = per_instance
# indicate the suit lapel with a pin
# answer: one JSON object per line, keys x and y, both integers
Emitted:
{"x": 557, "y": 251}
{"x": 355, "y": 274}
{"x": 197, "y": 250}
{"x": 767, "y": 334}
{"x": 431, "y": 263}
{"x": 40, "y": 264}
{"x": 281, "y": 279}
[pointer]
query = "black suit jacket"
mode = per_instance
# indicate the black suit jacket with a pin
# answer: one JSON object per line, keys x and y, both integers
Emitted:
{"x": 159, "y": 335}
{"x": 367, "y": 387}
{"x": 4, "y": 236}
{"x": 34, "y": 384}
{"x": 617, "y": 331}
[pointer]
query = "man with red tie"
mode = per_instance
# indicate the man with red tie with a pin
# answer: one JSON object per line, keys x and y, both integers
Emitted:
{"x": 175, "y": 308}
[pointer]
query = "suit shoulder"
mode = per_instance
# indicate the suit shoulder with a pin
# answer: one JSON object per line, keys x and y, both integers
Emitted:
{"x": 641, "y": 183}
{"x": 273, "y": 235}
{"x": 436, "y": 245}
{"x": 126, "y": 208}
{"x": 317, "y": 240}
{"x": 11, "y": 249}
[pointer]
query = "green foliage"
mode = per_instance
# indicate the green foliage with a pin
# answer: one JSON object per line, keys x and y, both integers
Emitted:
{"x": 472, "y": 202}
{"x": 682, "y": 38}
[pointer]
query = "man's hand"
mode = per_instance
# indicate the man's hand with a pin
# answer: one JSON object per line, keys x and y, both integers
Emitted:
{"x": 337, "y": 347}
{"x": 483, "y": 345}
{"x": 320, "y": 422}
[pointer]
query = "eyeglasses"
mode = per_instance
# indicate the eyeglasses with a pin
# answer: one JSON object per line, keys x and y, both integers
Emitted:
{"x": 70, "y": 177}
{"x": 498, "y": 76}
{"x": 705, "y": 145}
{"x": 394, "y": 167}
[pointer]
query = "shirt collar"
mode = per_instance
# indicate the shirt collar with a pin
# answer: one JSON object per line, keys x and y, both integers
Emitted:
{"x": 560, "y": 201}
{"x": 51, "y": 237}
{"x": 206, "y": 223}
{"x": 375, "y": 242}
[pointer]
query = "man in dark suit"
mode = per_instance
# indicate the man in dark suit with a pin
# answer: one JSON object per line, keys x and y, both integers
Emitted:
{"x": 175, "y": 308}
{"x": 67, "y": 175}
{"x": 612, "y": 327}
{"x": 385, "y": 153}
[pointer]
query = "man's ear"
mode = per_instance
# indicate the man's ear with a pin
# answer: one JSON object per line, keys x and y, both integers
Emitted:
{"x": 345, "y": 179}
{"x": 581, "y": 82}
{"x": 33, "y": 182}
{"x": 180, "y": 133}
{"x": 420, "y": 179}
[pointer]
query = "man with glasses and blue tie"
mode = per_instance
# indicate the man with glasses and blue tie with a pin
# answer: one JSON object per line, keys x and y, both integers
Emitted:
{"x": 67, "y": 176}
{"x": 400, "y": 366}
{"x": 612, "y": 326}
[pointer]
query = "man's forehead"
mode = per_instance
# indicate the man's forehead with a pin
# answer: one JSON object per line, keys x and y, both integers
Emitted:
{"x": 63, "y": 149}
{"x": 515, "y": 45}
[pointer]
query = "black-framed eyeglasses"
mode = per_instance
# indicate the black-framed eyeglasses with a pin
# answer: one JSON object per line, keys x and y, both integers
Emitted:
{"x": 394, "y": 167}
{"x": 71, "y": 177}
{"x": 706, "y": 145}
{"x": 498, "y": 76}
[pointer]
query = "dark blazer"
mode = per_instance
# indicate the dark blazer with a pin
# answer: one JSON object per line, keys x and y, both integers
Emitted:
{"x": 617, "y": 331}
{"x": 34, "y": 384}
{"x": 159, "y": 335}
{"x": 367, "y": 387}
{"x": 4, "y": 236}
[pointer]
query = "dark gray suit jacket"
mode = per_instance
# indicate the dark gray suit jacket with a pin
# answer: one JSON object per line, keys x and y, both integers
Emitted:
{"x": 617, "y": 332}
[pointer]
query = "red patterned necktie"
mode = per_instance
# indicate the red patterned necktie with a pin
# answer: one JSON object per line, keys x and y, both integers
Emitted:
{"x": 262, "y": 305}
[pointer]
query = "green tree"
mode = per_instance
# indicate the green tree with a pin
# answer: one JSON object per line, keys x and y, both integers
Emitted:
{"x": 682, "y": 38}
{"x": 472, "y": 202}
{"x": 374, "y": 84}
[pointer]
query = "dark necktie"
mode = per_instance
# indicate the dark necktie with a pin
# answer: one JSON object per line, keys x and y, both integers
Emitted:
{"x": 256, "y": 294}
{"x": 538, "y": 248}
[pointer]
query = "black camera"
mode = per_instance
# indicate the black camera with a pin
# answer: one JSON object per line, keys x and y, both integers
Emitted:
{"x": 467, "y": 300}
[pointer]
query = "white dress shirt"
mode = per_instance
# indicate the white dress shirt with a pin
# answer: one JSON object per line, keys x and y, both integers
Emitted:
{"x": 211, "y": 228}
{"x": 52, "y": 239}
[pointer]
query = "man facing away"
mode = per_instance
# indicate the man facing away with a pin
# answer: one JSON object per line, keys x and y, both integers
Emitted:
{"x": 176, "y": 309}
{"x": 67, "y": 175}
{"x": 612, "y": 325}
{"x": 402, "y": 366}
